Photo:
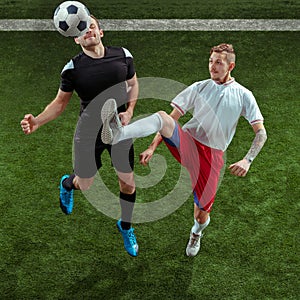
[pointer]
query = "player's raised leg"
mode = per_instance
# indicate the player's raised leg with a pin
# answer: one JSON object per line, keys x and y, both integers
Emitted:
{"x": 114, "y": 133}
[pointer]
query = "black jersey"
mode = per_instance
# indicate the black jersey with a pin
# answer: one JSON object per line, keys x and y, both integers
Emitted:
{"x": 89, "y": 76}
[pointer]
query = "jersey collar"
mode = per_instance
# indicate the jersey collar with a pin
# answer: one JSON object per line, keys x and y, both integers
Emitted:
{"x": 226, "y": 83}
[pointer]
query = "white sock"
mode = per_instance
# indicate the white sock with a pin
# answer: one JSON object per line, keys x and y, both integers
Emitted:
{"x": 198, "y": 228}
{"x": 141, "y": 128}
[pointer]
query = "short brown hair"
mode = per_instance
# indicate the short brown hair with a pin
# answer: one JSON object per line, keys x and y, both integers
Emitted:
{"x": 227, "y": 48}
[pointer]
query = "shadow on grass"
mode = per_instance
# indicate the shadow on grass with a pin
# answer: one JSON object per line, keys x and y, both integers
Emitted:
{"x": 165, "y": 275}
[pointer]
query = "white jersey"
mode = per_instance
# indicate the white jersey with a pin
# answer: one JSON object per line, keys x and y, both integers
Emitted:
{"x": 216, "y": 109}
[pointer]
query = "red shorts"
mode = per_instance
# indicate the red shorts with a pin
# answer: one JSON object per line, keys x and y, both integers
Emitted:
{"x": 203, "y": 163}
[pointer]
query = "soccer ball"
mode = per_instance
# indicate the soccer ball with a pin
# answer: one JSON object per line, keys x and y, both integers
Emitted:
{"x": 71, "y": 18}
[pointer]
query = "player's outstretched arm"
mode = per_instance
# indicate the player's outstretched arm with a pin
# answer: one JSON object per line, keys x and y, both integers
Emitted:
{"x": 242, "y": 167}
{"x": 30, "y": 123}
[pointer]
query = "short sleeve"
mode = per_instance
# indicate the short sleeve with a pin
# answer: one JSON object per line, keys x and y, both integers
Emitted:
{"x": 185, "y": 100}
{"x": 130, "y": 64}
{"x": 66, "y": 82}
{"x": 251, "y": 111}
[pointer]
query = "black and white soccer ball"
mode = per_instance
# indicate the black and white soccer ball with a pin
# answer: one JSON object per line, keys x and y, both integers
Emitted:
{"x": 71, "y": 18}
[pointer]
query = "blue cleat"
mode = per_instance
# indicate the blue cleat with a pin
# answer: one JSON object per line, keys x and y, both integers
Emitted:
{"x": 65, "y": 197}
{"x": 129, "y": 238}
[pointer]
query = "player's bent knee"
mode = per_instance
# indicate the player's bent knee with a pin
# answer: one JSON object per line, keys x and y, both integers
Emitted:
{"x": 83, "y": 184}
{"x": 168, "y": 124}
{"x": 127, "y": 188}
{"x": 167, "y": 119}
{"x": 164, "y": 115}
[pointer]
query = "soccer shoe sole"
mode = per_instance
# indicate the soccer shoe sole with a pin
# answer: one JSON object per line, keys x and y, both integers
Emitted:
{"x": 108, "y": 111}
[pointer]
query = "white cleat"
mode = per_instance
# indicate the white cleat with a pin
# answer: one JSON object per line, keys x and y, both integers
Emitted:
{"x": 193, "y": 245}
{"x": 111, "y": 121}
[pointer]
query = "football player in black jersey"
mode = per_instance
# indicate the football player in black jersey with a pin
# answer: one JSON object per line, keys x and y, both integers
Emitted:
{"x": 91, "y": 73}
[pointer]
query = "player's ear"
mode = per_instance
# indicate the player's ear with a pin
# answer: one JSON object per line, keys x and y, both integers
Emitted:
{"x": 76, "y": 40}
{"x": 101, "y": 33}
{"x": 231, "y": 66}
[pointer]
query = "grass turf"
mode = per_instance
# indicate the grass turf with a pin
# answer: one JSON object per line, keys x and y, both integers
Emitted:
{"x": 250, "y": 250}
{"x": 194, "y": 9}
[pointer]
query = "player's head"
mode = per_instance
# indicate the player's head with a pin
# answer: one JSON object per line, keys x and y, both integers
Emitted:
{"x": 221, "y": 62}
{"x": 93, "y": 35}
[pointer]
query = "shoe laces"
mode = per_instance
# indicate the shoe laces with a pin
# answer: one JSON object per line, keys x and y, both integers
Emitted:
{"x": 194, "y": 239}
{"x": 131, "y": 236}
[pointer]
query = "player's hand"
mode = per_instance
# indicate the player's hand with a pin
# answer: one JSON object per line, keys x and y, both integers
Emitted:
{"x": 146, "y": 156}
{"x": 240, "y": 168}
{"x": 125, "y": 117}
{"x": 29, "y": 124}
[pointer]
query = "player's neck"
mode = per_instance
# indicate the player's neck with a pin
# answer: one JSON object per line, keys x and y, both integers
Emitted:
{"x": 224, "y": 80}
{"x": 97, "y": 51}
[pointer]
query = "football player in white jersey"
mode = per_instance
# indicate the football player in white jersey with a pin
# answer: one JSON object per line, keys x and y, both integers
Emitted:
{"x": 216, "y": 104}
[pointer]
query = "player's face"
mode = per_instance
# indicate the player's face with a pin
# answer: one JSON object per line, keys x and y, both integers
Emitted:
{"x": 219, "y": 67}
{"x": 92, "y": 37}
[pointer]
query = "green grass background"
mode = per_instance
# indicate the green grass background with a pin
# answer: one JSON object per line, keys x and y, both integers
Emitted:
{"x": 251, "y": 248}
{"x": 142, "y": 9}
